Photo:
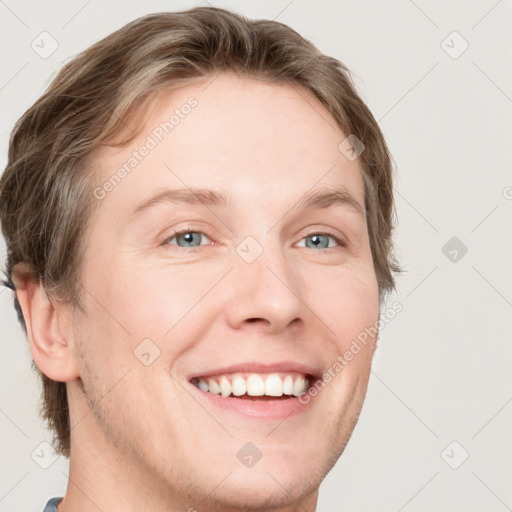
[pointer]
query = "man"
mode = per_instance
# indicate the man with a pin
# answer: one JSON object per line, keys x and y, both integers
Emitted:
{"x": 198, "y": 216}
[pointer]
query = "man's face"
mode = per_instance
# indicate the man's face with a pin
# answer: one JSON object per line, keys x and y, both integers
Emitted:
{"x": 260, "y": 285}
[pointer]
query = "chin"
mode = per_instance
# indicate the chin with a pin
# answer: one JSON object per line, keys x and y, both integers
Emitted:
{"x": 271, "y": 485}
{"x": 262, "y": 490}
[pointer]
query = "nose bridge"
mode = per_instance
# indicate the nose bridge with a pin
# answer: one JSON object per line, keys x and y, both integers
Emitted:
{"x": 266, "y": 288}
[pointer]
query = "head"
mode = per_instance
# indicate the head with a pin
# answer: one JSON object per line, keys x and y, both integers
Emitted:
{"x": 130, "y": 295}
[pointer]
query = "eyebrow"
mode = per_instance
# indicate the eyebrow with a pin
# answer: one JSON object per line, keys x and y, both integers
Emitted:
{"x": 184, "y": 195}
{"x": 208, "y": 197}
{"x": 327, "y": 198}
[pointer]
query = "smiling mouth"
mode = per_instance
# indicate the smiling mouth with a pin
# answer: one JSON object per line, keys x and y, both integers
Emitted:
{"x": 256, "y": 386}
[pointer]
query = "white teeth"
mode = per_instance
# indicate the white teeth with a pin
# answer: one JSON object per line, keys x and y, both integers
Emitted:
{"x": 288, "y": 385}
{"x": 213, "y": 387}
{"x": 225, "y": 387}
{"x": 239, "y": 386}
{"x": 299, "y": 385}
{"x": 203, "y": 385}
{"x": 273, "y": 385}
{"x": 254, "y": 385}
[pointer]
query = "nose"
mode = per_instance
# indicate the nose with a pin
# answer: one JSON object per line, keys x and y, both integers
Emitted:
{"x": 265, "y": 295}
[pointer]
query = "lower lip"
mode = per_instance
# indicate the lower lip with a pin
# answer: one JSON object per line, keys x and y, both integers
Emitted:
{"x": 264, "y": 409}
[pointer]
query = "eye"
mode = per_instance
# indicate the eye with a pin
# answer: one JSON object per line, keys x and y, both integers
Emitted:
{"x": 186, "y": 237}
{"x": 190, "y": 239}
{"x": 321, "y": 241}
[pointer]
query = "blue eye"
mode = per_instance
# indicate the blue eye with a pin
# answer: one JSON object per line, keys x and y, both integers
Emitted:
{"x": 187, "y": 237}
{"x": 321, "y": 241}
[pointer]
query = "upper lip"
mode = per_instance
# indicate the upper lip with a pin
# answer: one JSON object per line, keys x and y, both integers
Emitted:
{"x": 259, "y": 367}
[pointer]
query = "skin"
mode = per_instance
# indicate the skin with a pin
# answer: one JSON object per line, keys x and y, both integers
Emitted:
{"x": 139, "y": 440}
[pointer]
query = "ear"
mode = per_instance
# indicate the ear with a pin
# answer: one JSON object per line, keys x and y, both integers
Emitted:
{"x": 51, "y": 344}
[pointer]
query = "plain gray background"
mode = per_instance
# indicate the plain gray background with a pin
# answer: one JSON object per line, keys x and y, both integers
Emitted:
{"x": 441, "y": 387}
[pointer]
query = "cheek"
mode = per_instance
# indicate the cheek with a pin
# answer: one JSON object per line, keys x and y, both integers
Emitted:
{"x": 141, "y": 300}
{"x": 156, "y": 310}
{"x": 347, "y": 302}
{"x": 348, "y": 305}
{"x": 154, "y": 298}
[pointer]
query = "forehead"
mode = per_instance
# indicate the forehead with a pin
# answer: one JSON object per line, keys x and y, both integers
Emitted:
{"x": 259, "y": 140}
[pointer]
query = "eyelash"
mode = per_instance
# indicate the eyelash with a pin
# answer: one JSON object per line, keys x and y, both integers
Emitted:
{"x": 325, "y": 231}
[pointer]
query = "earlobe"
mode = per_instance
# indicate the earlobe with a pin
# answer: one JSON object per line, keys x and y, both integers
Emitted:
{"x": 52, "y": 347}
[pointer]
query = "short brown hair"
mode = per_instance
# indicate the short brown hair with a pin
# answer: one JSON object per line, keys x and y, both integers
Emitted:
{"x": 46, "y": 190}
